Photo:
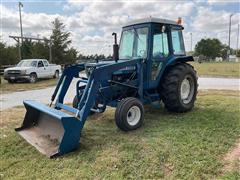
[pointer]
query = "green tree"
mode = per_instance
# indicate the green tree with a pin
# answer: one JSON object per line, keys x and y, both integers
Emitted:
{"x": 224, "y": 51}
{"x": 71, "y": 56}
{"x": 8, "y": 54}
{"x": 238, "y": 53}
{"x": 210, "y": 48}
{"x": 60, "y": 44}
{"x": 41, "y": 50}
{"x": 27, "y": 48}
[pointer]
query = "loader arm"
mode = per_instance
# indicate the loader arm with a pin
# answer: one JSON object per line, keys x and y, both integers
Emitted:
{"x": 98, "y": 76}
{"x": 54, "y": 132}
{"x": 69, "y": 72}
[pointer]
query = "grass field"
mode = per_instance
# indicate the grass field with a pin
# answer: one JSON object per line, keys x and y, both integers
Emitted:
{"x": 5, "y": 87}
{"x": 171, "y": 146}
{"x": 218, "y": 69}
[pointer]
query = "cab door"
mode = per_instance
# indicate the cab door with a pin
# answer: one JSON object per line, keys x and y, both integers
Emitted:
{"x": 40, "y": 69}
{"x": 48, "y": 70}
{"x": 160, "y": 53}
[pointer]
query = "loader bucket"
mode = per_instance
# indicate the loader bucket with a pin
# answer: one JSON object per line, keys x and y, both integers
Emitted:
{"x": 50, "y": 131}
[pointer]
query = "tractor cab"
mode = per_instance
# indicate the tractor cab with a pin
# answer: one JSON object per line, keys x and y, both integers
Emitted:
{"x": 154, "y": 40}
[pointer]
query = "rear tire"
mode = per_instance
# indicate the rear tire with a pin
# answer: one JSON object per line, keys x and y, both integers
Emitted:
{"x": 178, "y": 88}
{"x": 129, "y": 114}
{"x": 33, "y": 78}
{"x": 56, "y": 75}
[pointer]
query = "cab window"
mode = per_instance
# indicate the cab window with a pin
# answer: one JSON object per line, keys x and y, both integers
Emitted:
{"x": 126, "y": 45}
{"x": 141, "y": 43}
{"x": 160, "y": 43}
{"x": 34, "y": 63}
{"x": 45, "y": 63}
{"x": 134, "y": 43}
{"x": 160, "y": 50}
{"x": 40, "y": 64}
{"x": 177, "y": 41}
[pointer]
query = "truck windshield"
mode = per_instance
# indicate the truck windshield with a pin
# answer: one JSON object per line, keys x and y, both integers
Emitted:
{"x": 27, "y": 63}
{"x": 133, "y": 43}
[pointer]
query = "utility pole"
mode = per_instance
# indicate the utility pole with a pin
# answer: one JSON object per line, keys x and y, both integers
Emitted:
{"x": 50, "y": 50}
{"x": 20, "y": 15}
{"x": 229, "y": 36}
{"x": 237, "y": 39}
{"x": 191, "y": 40}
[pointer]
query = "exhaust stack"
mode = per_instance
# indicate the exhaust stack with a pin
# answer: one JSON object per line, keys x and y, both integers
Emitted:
{"x": 115, "y": 48}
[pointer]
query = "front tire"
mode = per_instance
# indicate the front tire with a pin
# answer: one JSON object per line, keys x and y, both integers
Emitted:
{"x": 178, "y": 88}
{"x": 129, "y": 114}
{"x": 10, "y": 81}
{"x": 33, "y": 78}
{"x": 75, "y": 102}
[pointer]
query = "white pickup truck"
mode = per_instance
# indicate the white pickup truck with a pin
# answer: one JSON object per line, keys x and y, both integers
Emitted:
{"x": 31, "y": 70}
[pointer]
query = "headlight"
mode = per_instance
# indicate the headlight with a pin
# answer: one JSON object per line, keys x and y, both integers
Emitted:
{"x": 23, "y": 71}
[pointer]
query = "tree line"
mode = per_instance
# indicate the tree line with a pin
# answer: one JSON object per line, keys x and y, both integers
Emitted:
{"x": 209, "y": 49}
{"x": 61, "y": 50}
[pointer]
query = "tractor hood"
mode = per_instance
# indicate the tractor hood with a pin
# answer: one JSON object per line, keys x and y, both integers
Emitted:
{"x": 103, "y": 62}
{"x": 89, "y": 67}
{"x": 100, "y": 63}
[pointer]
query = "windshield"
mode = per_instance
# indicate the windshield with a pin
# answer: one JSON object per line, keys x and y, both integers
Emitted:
{"x": 27, "y": 63}
{"x": 133, "y": 43}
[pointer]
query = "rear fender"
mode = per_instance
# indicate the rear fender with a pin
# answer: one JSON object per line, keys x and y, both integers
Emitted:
{"x": 173, "y": 61}
{"x": 179, "y": 59}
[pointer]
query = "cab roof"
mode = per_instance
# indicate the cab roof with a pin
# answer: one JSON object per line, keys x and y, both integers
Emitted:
{"x": 151, "y": 20}
{"x": 33, "y": 59}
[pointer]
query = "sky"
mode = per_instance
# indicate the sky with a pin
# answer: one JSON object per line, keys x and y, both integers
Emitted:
{"x": 91, "y": 23}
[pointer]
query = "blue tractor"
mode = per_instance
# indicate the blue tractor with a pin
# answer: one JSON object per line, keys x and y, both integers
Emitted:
{"x": 149, "y": 65}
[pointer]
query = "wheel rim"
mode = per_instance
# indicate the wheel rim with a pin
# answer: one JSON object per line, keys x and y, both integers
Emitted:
{"x": 32, "y": 79}
{"x": 133, "y": 115}
{"x": 187, "y": 89}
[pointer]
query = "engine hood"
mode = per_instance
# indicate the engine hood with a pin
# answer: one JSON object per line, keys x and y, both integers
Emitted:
{"x": 17, "y": 68}
{"x": 102, "y": 63}
{"x": 89, "y": 67}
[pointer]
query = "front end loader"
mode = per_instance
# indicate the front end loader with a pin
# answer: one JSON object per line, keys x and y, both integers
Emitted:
{"x": 149, "y": 65}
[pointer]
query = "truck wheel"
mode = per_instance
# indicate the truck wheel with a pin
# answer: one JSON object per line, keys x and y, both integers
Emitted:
{"x": 56, "y": 75}
{"x": 179, "y": 88}
{"x": 129, "y": 114}
{"x": 33, "y": 78}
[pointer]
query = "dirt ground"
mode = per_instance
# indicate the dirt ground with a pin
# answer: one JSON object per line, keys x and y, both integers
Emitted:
{"x": 232, "y": 158}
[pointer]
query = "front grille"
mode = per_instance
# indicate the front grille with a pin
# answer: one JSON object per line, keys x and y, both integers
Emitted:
{"x": 14, "y": 72}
